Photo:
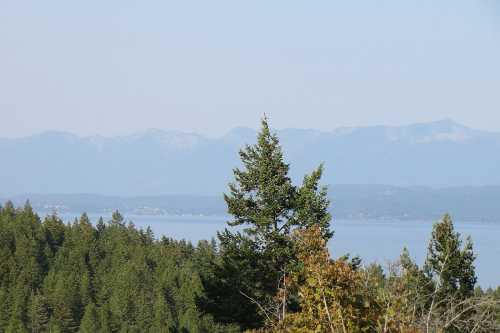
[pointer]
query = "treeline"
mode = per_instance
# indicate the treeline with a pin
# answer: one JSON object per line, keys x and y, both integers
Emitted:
{"x": 108, "y": 278}
{"x": 275, "y": 275}
{"x": 112, "y": 277}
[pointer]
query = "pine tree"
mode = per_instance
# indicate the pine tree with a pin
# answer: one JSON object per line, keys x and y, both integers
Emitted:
{"x": 4, "y": 308}
{"x": 449, "y": 263}
{"x": 18, "y": 313}
{"x": 54, "y": 326}
{"x": 162, "y": 320}
{"x": 117, "y": 218}
{"x": 263, "y": 200}
{"x": 263, "y": 194}
{"x": 54, "y": 230}
{"x": 100, "y": 225}
{"x": 86, "y": 289}
{"x": 89, "y": 322}
{"x": 63, "y": 318}
{"x": 467, "y": 279}
{"x": 105, "y": 319}
{"x": 16, "y": 326}
{"x": 38, "y": 314}
{"x": 311, "y": 204}
{"x": 451, "y": 267}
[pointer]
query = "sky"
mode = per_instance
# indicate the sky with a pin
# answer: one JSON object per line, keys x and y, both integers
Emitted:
{"x": 120, "y": 66}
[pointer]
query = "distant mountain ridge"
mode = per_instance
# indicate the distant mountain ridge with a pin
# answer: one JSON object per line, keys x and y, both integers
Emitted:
{"x": 152, "y": 162}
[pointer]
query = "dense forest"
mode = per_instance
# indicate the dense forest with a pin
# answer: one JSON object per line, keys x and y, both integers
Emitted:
{"x": 273, "y": 275}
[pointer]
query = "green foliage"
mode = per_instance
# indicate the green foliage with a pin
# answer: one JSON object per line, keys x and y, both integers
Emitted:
{"x": 450, "y": 264}
{"x": 263, "y": 200}
{"x": 90, "y": 321}
{"x": 38, "y": 314}
{"x": 440, "y": 296}
{"x": 273, "y": 275}
{"x": 109, "y": 278}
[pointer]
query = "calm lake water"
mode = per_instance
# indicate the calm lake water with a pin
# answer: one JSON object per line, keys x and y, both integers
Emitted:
{"x": 373, "y": 241}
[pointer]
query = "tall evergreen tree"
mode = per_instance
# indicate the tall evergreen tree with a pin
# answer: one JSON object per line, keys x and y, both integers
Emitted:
{"x": 162, "y": 320}
{"x": 54, "y": 231}
{"x": 263, "y": 200}
{"x": 5, "y": 300}
{"x": 105, "y": 320}
{"x": 451, "y": 267}
{"x": 38, "y": 313}
{"x": 62, "y": 318}
{"x": 89, "y": 323}
{"x": 450, "y": 263}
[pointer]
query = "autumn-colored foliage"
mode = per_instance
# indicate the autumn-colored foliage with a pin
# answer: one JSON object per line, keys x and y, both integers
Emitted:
{"x": 330, "y": 291}
{"x": 334, "y": 296}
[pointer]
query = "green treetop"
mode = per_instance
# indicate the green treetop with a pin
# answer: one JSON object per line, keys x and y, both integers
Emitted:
{"x": 450, "y": 263}
{"x": 263, "y": 200}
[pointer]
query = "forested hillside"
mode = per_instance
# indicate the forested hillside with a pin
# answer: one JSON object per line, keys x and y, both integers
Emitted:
{"x": 107, "y": 278}
{"x": 273, "y": 275}
{"x": 112, "y": 277}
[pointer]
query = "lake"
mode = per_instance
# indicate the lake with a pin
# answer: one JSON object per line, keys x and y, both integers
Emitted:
{"x": 374, "y": 241}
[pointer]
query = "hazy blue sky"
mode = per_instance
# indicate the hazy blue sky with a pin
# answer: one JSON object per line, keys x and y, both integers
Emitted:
{"x": 115, "y": 67}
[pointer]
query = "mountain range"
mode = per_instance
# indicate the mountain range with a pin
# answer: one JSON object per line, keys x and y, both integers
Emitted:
{"x": 156, "y": 162}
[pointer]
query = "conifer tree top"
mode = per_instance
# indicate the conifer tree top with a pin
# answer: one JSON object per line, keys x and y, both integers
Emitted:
{"x": 262, "y": 196}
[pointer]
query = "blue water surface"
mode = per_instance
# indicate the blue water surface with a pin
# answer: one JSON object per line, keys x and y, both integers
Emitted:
{"x": 373, "y": 240}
